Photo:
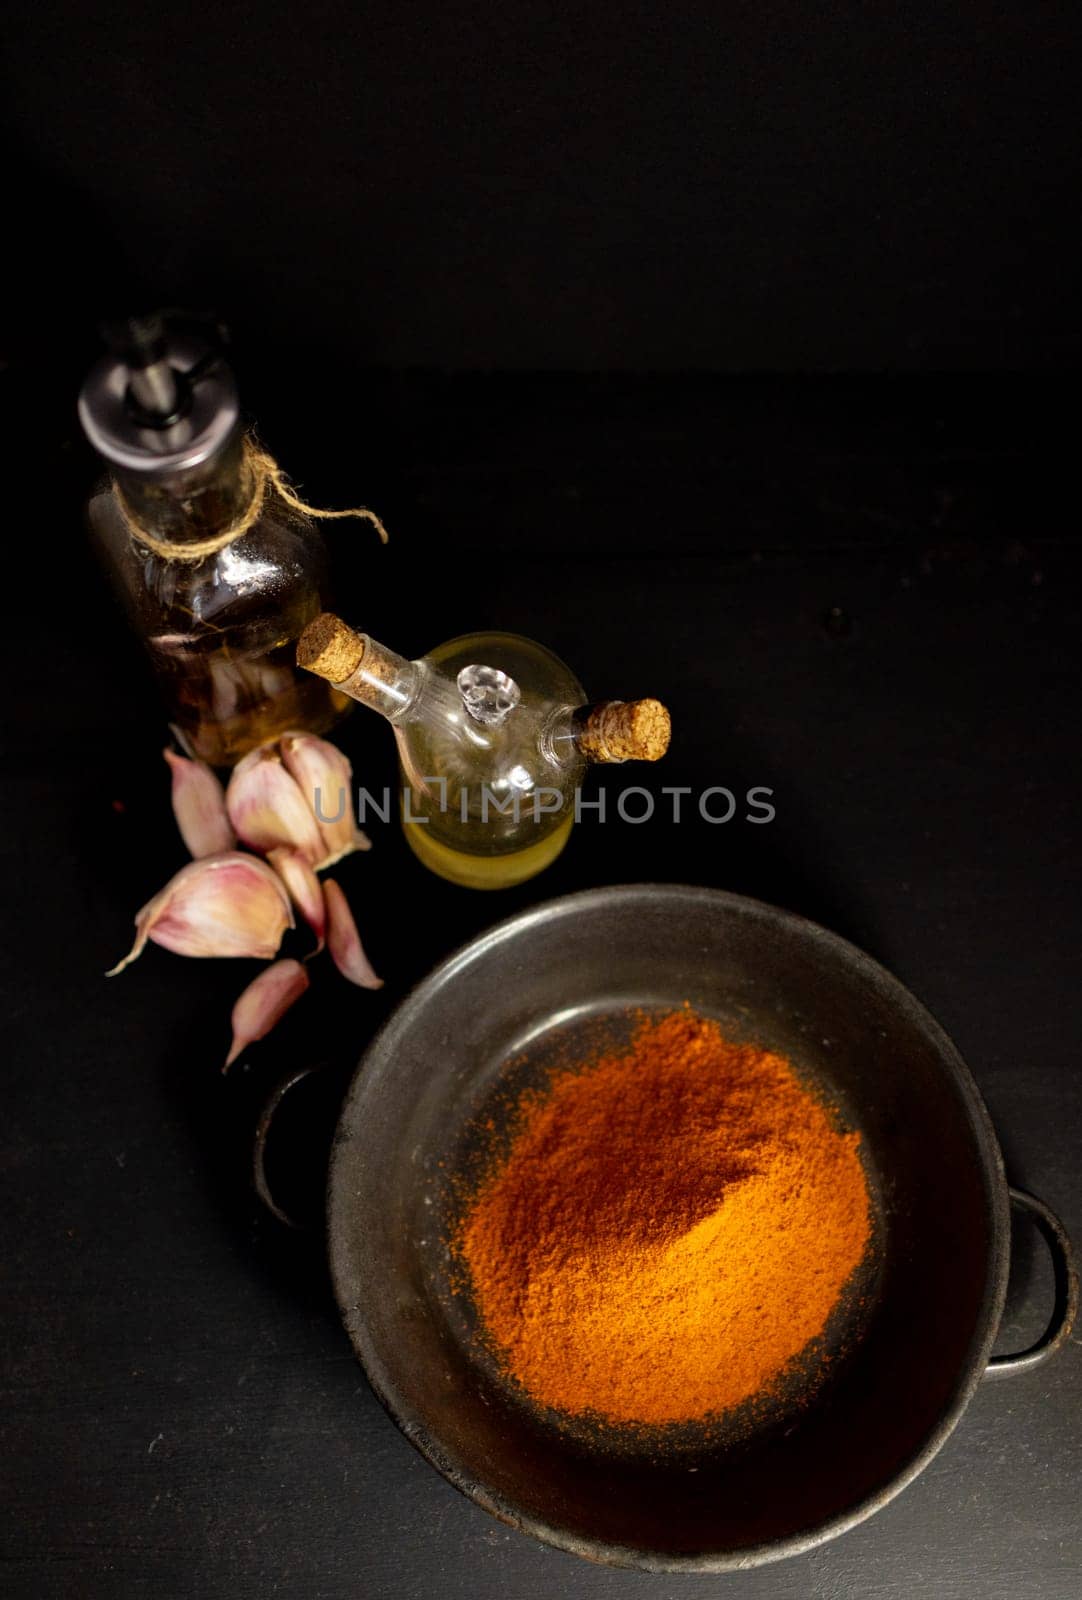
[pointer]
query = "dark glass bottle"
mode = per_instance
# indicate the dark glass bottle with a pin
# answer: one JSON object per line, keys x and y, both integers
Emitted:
{"x": 218, "y": 614}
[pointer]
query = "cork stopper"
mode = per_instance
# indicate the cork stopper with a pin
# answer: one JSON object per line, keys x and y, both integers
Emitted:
{"x": 625, "y": 730}
{"x": 330, "y": 648}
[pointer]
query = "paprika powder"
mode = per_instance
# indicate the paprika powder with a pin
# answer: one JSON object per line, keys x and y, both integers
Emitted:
{"x": 671, "y": 1227}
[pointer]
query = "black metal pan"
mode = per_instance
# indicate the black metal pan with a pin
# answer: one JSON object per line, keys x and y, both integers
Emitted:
{"x": 488, "y": 1017}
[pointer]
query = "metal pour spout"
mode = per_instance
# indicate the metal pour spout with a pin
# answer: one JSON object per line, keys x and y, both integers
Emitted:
{"x": 142, "y": 345}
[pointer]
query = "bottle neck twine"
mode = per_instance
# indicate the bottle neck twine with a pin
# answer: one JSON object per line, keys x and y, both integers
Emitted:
{"x": 265, "y": 475}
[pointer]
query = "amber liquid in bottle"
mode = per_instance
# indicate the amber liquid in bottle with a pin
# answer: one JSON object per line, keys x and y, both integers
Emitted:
{"x": 221, "y": 632}
{"x": 474, "y": 871}
{"x": 264, "y": 700}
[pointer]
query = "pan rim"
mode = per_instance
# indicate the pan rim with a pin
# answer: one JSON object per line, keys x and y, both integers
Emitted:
{"x": 971, "y": 1370}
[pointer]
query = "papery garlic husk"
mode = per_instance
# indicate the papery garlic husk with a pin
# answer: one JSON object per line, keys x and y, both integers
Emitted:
{"x": 224, "y": 905}
{"x": 325, "y": 778}
{"x": 263, "y": 1004}
{"x": 344, "y": 942}
{"x": 199, "y": 807}
{"x": 268, "y": 809}
{"x": 304, "y": 888}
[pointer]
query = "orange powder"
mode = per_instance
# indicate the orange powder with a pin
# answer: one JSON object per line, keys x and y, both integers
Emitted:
{"x": 671, "y": 1227}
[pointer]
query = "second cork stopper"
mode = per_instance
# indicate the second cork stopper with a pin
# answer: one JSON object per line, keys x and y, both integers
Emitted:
{"x": 624, "y": 730}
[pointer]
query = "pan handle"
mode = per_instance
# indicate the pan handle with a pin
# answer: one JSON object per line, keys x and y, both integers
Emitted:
{"x": 312, "y": 1141}
{"x": 1066, "y": 1276}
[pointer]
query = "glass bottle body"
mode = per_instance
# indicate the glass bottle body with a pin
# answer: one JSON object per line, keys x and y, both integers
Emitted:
{"x": 221, "y": 630}
{"x": 485, "y": 805}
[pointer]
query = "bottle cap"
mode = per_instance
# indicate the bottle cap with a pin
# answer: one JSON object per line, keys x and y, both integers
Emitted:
{"x": 162, "y": 400}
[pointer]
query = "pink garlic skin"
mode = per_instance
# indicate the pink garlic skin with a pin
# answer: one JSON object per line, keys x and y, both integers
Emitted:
{"x": 269, "y": 810}
{"x": 304, "y": 888}
{"x": 199, "y": 807}
{"x": 325, "y": 778}
{"x": 344, "y": 942}
{"x": 223, "y": 905}
{"x": 263, "y": 1004}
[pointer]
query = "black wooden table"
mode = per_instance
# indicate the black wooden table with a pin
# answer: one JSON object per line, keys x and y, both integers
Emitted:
{"x": 864, "y": 596}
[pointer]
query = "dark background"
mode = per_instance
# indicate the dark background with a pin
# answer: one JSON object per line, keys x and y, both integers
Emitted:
{"x": 635, "y": 327}
{"x": 596, "y": 186}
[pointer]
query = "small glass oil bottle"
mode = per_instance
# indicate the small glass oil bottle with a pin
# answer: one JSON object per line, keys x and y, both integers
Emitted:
{"x": 493, "y": 740}
{"x": 218, "y": 614}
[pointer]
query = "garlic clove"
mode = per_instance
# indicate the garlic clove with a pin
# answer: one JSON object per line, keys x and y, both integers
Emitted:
{"x": 224, "y": 905}
{"x": 199, "y": 807}
{"x": 268, "y": 809}
{"x": 324, "y": 776}
{"x": 263, "y": 1004}
{"x": 304, "y": 887}
{"x": 344, "y": 941}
